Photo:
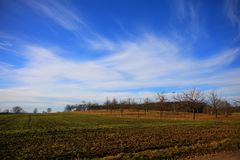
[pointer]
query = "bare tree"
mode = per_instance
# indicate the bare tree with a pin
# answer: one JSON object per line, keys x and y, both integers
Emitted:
{"x": 122, "y": 102}
{"x": 194, "y": 97}
{"x": 68, "y": 108}
{"x": 6, "y": 111}
{"x": 214, "y": 101}
{"x": 114, "y": 102}
{"x": 49, "y": 110}
{"x": 133, "y": 101}
{"x": 17, "y": 109}
{"x": 107, "y": 103}
{"x": 237, "y": 102}
{"x": 225, "y": 106}
{"x": 178, "y": 97}
{"x": 146, "y": 102}
{"x": 35, "y": 110}
{"x": 128, "y": 101}
{"x": 161, "y": 97}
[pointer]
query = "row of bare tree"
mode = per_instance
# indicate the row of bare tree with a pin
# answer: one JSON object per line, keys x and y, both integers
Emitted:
{"x": 196, "y": 97}
{"x": 18, "y": 110}
{"x": 190, "y": 101}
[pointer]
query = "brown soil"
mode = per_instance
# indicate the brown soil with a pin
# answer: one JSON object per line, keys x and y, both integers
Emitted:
{"x": 218, "y": 156}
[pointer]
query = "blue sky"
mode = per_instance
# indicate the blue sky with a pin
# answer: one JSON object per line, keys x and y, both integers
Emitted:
{"x": 54, "y": 53}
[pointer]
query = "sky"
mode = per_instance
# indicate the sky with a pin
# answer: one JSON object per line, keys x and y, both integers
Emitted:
{"x": 54, "y": 53}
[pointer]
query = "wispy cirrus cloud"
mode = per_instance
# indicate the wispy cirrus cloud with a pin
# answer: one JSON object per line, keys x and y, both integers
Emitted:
{"x": 61, "y": 13}
{"x": 101, "y": 43}
{"x": 187, "y": 14}
{"x": 64, "y": 14}
{"x": 149, "y": 61}
{"x": 6, "y": 41}
{"x": 233, "y": 13}
{"x": 130, "y": 66}
{"x": 222, "y": 58}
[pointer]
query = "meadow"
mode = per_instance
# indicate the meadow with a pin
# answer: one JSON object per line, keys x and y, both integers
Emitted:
{"x": 115, "y": 135}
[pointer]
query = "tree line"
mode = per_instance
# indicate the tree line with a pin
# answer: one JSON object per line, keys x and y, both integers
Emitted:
{"x": 193, "y": 100}
{"x": 20, "y": 110}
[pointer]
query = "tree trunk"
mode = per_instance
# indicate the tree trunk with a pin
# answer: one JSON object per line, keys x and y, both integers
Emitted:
{"x": 226, "y": 114}
{"x": 193, "y": 114}
{"x": 215, "y": 113}
{"x": 160, "y": 114}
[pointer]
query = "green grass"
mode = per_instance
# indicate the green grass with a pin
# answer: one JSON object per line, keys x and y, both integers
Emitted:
{"x": 74, "y": 135}
{"x": 76, "y": 120}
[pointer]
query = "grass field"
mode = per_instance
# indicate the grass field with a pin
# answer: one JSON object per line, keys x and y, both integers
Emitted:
{"x": 106, "y": 135}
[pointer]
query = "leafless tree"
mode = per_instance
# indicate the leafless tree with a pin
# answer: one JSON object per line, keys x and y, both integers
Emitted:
{"x": 122, "y": 102}
{"x": 194, "y": 97}
{"x": 133, "y": 102}
{"x": 67, "y": 108}
{"x": 49, "y": 110}
{"x": 129, "y": 101}
{"x": 161, "y": 97}
{"x": 107, "y": 103}
{"x": 237, "y": 102}
{"x": 178, "y": 97}
{"x": 35, "y": 110}
{"x": 214, "y": 101}
{"x": 225, "y": 106}
{"x": 17, "y": 109}
{"x": 6, "y": 111}
{"x": 146, "y": 102}
{"x": 114, "y": 102}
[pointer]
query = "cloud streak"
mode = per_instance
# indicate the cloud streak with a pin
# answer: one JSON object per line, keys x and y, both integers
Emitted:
{"x": 232, "y": 9}
{"x": 125, "y": 69}
{"x": 149, "y": 61}
{"x": 58, "y": 12}
{"x": 187, "y": 14}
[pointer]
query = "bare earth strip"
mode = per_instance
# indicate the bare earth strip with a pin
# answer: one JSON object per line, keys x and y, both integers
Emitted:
{"x": 218, "y": 156}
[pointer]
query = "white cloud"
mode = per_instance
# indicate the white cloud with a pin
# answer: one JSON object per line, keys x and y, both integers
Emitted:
{"x": 232, "y": 9}
{"x": 101, "y": 43}
{"x": 46, "y": 66}
{"x": 5, "y": 44}
{"x": 149, "y": 61}
{"x": 188, "y": 14}
{"x": 62, "y": 13}
{"x": 225, "y": 57}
